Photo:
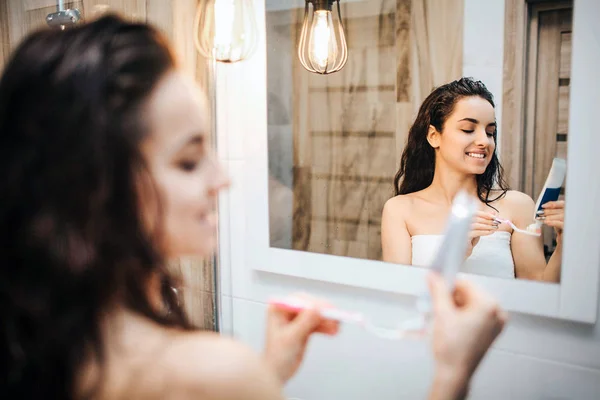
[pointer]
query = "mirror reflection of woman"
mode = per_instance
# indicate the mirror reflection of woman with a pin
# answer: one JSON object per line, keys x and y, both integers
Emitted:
{"x": 452, "y": 146}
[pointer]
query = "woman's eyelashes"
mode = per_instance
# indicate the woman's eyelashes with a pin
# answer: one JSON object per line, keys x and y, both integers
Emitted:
{"x": 490, "y": 134}
{"x": 188, "y": 165}
{"x": 190, "y": 158}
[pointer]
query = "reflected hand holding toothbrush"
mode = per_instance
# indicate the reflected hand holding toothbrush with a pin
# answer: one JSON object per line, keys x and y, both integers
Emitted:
{"x": 534, "y": 229}
{"x": 553, "y": 214}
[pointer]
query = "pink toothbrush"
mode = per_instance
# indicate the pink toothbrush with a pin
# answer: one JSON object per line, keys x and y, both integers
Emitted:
{"x": 406, "y": 329}
{"x": 533, "y": 229}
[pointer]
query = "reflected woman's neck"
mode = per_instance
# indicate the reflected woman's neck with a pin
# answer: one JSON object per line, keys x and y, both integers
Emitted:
{"x": 447, "y": 183}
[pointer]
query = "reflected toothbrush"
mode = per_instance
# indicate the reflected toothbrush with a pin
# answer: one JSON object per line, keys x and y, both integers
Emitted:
{"x": 534, "y": 229}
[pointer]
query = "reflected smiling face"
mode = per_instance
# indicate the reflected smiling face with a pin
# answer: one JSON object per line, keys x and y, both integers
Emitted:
{"x": 185, "y": 170}
{"x": 466, "y": 142}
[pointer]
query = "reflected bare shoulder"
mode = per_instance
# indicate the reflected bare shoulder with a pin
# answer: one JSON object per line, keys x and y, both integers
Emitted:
{"x": 399, "y": 206}
{"x": 514, "y": 198}
{"x": 519, "y": 206}
{"x": 395, "y": 238}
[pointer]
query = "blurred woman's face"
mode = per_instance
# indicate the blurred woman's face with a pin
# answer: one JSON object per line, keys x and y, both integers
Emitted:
{"x": 185, "y": 170}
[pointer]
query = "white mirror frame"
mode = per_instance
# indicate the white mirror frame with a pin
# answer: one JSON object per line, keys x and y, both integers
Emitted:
{"x": 242, "y": 112}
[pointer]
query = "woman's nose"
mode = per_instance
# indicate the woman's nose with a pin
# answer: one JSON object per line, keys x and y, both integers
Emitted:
{"x": 220, "y": 179}
{"x": 481, "y": 137}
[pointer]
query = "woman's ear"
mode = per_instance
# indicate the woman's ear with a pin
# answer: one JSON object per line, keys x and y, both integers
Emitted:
{"x": 433, "y": 137}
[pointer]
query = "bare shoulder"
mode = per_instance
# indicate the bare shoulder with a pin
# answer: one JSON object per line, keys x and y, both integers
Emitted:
{"x": 398, "y": 206}
{"x": 209, "y": 366}
{"x": 514, "y": 198}
{"x": 145, "y": 360}
{"x": 517, "y": 206}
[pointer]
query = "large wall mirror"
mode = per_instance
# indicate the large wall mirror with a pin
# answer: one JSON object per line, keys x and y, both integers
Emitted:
{"x": 318, "y": 154}
{"x": 336, "y": 141}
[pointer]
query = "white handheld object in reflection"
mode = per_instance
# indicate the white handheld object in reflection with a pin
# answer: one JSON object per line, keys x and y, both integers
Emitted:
{"x": 533, "y": 229}
{"x": 451, "y": 253}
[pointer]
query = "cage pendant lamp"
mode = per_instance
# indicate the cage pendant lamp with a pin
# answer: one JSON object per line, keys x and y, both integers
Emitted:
{"x": 322, "y": 46}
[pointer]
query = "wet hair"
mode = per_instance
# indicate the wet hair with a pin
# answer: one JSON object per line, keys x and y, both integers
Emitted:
{"x": 73, "y": 242}
{"x": 417, "y": 164}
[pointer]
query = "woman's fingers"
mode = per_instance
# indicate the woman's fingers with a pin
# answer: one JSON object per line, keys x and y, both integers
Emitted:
{"x": 478, "y": 229}
{"x": 553, "y": 205}
{"x": 551, "y": 211}
{"x": 485, "y": 218}
{"x": 554, "y": 220}
{"x": 326, "y": 326}
{"x": 553, "y": 214}
{"x": 554, "y": 217}
{"x": 552, "y": 208}
{"x": 555, "y": 223}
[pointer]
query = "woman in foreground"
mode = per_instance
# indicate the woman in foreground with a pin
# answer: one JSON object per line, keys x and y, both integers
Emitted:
{"x": 106, "y": 172}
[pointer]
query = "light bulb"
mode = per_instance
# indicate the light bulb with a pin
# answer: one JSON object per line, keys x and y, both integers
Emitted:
{"x": 225, "y": 30}
{"x": 322, "y": 47}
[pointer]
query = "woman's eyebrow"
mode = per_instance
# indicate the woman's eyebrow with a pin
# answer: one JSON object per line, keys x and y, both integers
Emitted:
{"x": 196, "y": 140}
{"x": 473, "y": 120}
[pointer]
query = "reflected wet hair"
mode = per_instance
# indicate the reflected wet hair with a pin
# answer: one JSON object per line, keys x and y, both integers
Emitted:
{"x": 73, "y": 242}
{"x": 417, "y": 165}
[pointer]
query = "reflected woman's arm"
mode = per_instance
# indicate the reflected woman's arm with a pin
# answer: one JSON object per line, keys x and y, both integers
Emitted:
{"x": 395, "y": 239}
{"x": 528, "y": 251}
{"x": 554, "y": 213}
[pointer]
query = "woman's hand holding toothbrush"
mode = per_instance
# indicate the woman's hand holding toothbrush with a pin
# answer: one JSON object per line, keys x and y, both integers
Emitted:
{"x": 465, "y": 324}
{"x": 288, "y": 332}
{"x": 484, "y": 224}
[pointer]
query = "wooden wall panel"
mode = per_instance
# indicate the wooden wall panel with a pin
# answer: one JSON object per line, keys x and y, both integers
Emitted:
{"x": 546, "y": 111}
{"x": 196, "y": 292}
{"x": 361, "y": 110}
{"x": 513, "y": 92}
{"x": 161, "y": 14}
{"x": 134, "y": 9}
{"x": 4, "y": 38}
{"x": 436, "y": 37}
{"x": 358, "y": 156}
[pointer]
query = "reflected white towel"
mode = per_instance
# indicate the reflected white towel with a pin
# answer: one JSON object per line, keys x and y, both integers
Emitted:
{"x": 491, "y": 256}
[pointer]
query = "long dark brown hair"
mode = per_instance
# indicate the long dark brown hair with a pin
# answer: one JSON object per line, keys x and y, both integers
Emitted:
{"x": 417, "y": 164}
{"x": 73, "y": 242}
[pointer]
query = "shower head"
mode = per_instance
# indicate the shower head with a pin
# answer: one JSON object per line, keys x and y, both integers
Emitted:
{"x": 63, "y": 18}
